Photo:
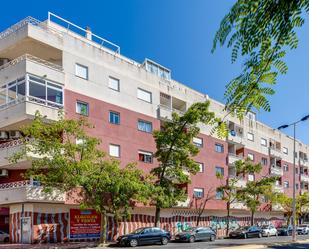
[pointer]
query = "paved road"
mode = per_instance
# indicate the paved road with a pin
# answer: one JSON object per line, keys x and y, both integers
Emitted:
{"x": 233, "y": 242}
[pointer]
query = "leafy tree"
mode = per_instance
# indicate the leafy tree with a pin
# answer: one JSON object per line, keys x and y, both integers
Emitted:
{"x": 285, "y": 202}
{"x": 81, "y": 169}
{"x": 302, "y": 204}
{"x": 261, "y": 31}
{"x": 200, "y": 204}
{"x": 255, "y": 192}
{"x": 230, "y": 186}
{"x": 174, "y": 154}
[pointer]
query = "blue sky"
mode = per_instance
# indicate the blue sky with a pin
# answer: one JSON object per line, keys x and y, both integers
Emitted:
{"x": 178, "y": 34}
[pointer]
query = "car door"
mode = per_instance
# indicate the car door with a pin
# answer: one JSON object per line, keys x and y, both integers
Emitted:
{"x": 199, "y": 234}
{"x": 253, "y": 232}
{"x": 1, "y": 236}
{"x": 207, "y": 233}
{"x": 156, "y": 235}
{"x": 146, "y": 236}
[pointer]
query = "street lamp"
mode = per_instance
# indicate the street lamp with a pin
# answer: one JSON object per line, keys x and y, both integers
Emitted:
{"x": 294, "y": 173}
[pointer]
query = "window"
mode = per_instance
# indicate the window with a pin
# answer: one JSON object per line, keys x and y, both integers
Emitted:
{"x": 296, "y": 170}
{"x": 81, "y": 71}
{"x": 114, "y": 117}
{"x": 296, "y": 185}
{"x": 144, "y": 95}
{"x": 219, "y": 148}
{"x": 219, "y": 171}
{"x": 145, "y": 157}
{"x": 219, "y": 195}
{"x": 114, "y": 84}
{"x": 285, "y": 167}
{"x": 250, "y": 136}
{"x": 285, "y": 150}
{"x": 263, "y": 142}
{"x": 251, "y": 156}
{"x": 251, "y": 116}
{"x": 201, "y": 167}
{"x": 251, "y": 177}
{"x": 197, "y": 141}
{"x": 80, "y": 141}
{"x": 264, "y": 161}
{"x": 144, "y": 126}
{"x": 286, "y": 184}
{"x": 82, "y": 108}
{"x": 198, "y": 192}
{"x": 114, "y": 150}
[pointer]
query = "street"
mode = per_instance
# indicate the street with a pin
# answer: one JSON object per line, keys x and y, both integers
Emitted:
{"x": 237, "y": 242}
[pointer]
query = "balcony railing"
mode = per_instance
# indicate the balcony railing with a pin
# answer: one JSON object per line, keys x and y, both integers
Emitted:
{"x": 275, "y": 170}
{"x": 33, "y": 59}
{"x": 232, "y": 158}
{"x": 21, "y": 191}
{"x": 304, "y": 178}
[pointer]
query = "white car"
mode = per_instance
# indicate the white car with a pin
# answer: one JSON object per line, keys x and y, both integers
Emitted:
{"x": 269, "y": 230}
{"x": 4, "y": 237}
{"x": 303, "y": 229}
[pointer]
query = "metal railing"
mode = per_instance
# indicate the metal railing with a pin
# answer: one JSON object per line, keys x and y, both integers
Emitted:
{"x": 101, "y": 41}
{"x": 33, "y": 59}
{"x": 13, "y": 185}
{"x": 19, "y": 25}
{"x": 10, "y": 144}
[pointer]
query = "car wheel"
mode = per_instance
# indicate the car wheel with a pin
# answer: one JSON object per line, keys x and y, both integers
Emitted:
{"x": 191, "y": 239}
{"x": 260, "y": 235}
{"x": 212, "y": 237}
{"x": 133, "y": 242}
{"x": 6, "y": 239}
{"x": 245, "y": 236}
{"x": 164, "y": 241}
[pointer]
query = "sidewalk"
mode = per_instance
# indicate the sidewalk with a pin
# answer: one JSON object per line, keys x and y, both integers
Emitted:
{"x": 69, "y": 245}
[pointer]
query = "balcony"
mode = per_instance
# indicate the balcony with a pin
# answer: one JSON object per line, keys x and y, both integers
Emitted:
{"x": 304, "y": 178}
{"x": 232, "y": 158}
{"x": 24, "y": 191}
{"x": 7, "y": 150}
{"x": 278, "y": 188}
{"x": 276, "y": 171}
{"x": 275, "y": 152}
{"x": 165, "y": 112}
{"x": 238, "y": 205}
{"x": 236, "y": 133}
{"x": 241, "y": 183}
{"x": 277, "y": 207}
{"x": 24, "y": 93}
{"x": 303, "y": 162}
{"x": 185, "y": 203}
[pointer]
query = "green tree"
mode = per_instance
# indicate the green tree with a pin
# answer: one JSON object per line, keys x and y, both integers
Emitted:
{"x": 229, "y": 187}
{"x": 81, "y": 168}
{"x": 261, "y": 31}
{"x": 285, "y": 202}
{"x": 174, "y": 154}
{"x": 256, "y": 192}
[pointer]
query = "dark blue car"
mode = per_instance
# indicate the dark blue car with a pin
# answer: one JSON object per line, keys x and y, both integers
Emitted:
{"x": 145, "y": 236}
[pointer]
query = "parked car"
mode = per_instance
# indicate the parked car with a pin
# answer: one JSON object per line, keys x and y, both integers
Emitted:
{"x": 4, "y": 237}
{"x": 196, "y": 234}
{"x": 269, "y": 230}
{"x": 246, "y": 232}
{"x": 145, "y": 236}
{"x": 303, "y": 229}
{"x": 285, "y": 230}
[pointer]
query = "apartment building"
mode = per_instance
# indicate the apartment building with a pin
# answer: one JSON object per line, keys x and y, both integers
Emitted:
{"x": 52, "y": 64}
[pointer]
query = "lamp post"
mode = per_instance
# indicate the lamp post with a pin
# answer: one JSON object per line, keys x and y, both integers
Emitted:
{"x": 294, "y": 173}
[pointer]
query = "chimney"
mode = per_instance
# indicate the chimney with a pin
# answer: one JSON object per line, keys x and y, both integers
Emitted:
{"x": 88, "y": 33}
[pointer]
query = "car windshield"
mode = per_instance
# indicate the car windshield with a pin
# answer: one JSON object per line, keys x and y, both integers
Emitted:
{"x": 264, "y": 227}
{"x": 284, "y": 227}
{"x": 303, "y": 226}
{"x": 245, "y": 228}
{"x": 190, "y": 229}
{"x": 139, "y": 230}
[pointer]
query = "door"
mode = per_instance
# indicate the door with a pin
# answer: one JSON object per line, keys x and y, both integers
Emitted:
{"x": 156, "y": 234}
{"x": 26, "y": 230}
{"x": 252, "y": 232}
{"x": 199, "y": 234}
{"x": 207, "y": 233}
{"x": 146, "y": 236}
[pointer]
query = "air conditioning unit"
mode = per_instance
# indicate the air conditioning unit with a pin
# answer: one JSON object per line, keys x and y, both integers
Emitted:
{"x": 4, "y": 172}
{"x": 15, "y": 134}
{"x": 3, "y": 135}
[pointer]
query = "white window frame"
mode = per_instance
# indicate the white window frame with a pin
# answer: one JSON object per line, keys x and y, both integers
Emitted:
{"x": 286, "y": 184}
{"x": 251, "y": 156}
{"x": 219, "y": 145}
{"x": 78, "y": 73}
{"x": 145, "y": 122}
{"x": 249, "y": 134}
{"x": 264, "y": 142}
{"x": 147, "y": 154}
{"x": 198, "y": 141}
{"x": 199, "y": 190}
{"x": 112, "y": 151}
{"x": 285, "y": 150}
{"x": 114, "y": 83}
{"x": 201, "y": 167}
{"x": 82, "y": 102}
{"x": 251, "y": 177}
{"x": 141, "y": 94}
